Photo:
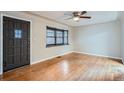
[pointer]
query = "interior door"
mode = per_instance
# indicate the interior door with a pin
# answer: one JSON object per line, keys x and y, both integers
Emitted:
{"x": 16, "y": 43}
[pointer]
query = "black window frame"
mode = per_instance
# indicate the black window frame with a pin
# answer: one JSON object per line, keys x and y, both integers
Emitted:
{"x": 55, "y": 37}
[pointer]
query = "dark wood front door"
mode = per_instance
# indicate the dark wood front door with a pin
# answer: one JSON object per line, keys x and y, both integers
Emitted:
{"x": 16, "y": 43}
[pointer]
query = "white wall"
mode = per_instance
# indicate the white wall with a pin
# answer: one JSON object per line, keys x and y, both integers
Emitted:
{"x": 122, "y": 34}
{"x": 122, "y": 49}
{"x": 99, "y": 39}
{"x": 38, "y": 38}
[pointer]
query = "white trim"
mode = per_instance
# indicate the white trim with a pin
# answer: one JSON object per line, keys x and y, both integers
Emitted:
{"x": 2, "y": 14}
{"x": 31, "y": 42}
{"x": 1, "y": 46}
{"x": 97, "y": 55}
{"x": 15, "y": 17}
{"x": 75, "y": 52}
{"x": 51, "y": 57}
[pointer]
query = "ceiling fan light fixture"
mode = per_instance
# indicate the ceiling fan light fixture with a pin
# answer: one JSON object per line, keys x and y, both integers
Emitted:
{"x": 76, "y": 18}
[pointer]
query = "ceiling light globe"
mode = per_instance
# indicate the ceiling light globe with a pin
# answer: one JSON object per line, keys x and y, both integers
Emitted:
{"x": 76, "y": 18}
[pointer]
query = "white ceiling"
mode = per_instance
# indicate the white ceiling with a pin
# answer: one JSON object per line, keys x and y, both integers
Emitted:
{"x": 97, "y": 17}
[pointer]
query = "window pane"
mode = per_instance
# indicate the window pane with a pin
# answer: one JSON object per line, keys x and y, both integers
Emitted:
{"x": 59, "y": 33}
{"x": 50, "y": 32}
{"x": 18, "y": 33}
{"x": 65, "y": 33}
{"x": 50, "y": 40}
{"x": 59, "y": 40}
{"x": 65, "y": 40}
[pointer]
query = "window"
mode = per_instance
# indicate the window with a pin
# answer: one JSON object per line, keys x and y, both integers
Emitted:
{"x": 18, "y": 33}
{"x": 50, "y": 37}
{"x": 59, "y": 37}
{"x": 56, "y": 37}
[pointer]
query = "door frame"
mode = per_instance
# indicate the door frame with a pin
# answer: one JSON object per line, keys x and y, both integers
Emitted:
{"x": 1, "y": 38}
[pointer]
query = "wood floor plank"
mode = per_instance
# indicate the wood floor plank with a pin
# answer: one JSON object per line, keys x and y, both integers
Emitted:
{"x": 73, "y": 66}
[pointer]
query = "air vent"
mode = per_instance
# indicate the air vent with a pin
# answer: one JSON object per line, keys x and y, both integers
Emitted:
{"x": 59, "y": 57}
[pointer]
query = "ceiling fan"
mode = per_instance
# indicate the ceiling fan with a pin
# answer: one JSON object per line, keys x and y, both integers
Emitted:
{"x": 77, "y": 15}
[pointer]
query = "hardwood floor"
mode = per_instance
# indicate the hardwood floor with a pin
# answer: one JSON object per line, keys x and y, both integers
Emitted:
{"x": 72, "y": 66}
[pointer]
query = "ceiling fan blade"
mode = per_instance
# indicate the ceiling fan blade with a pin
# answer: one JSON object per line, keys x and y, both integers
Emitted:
{"x": 85, "y": 17}
{"x": 83, "y": 12}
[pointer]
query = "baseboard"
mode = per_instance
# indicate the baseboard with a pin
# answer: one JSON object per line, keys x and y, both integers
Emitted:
{"x": 51, "y": 57}
{"x": 76, "y": 52}
{"x": 98, "y": 55}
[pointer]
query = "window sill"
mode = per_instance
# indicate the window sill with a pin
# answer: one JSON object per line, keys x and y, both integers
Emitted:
{"x": 48, "y": 46}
